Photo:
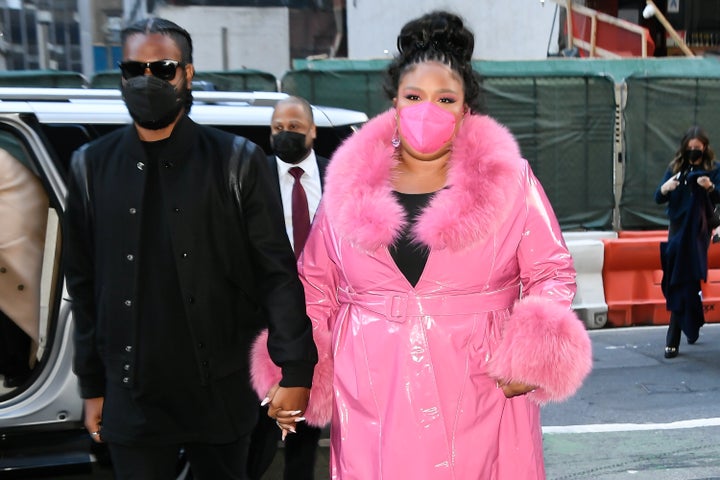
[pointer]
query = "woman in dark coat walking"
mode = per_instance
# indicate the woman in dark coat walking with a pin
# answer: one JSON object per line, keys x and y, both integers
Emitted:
{"x": 688, "y": 187}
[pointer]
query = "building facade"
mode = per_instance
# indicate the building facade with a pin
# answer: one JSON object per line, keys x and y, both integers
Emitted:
{"x": 40, "y": 35}
{"x": 84, "y": 35}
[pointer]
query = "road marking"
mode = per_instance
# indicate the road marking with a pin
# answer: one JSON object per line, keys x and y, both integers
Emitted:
{"x": 633, "y": 427}
{"x": 614, "y": 427}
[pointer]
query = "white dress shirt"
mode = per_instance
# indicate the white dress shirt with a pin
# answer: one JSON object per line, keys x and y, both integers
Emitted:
{"x": 310, "y": 182}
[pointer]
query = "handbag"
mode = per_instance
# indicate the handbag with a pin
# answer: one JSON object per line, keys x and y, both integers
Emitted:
{"x": 714, "y": 219}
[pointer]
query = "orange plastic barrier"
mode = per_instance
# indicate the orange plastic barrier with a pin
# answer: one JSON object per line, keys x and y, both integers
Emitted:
{"x": 632, "y": 276}
{"x": 642, "y": 233}
{"x": 631, "y": 280}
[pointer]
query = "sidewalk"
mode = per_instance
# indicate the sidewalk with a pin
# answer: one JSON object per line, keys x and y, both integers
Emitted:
{"x": 644, "y": 455}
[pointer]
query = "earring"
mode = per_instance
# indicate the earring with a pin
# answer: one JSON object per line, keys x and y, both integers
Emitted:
{"x": 395, "y": 140}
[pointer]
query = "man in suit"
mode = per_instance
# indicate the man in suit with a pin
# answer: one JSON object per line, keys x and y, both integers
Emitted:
{"x": 175, "y": 258}
{"x": 292, "y": 134}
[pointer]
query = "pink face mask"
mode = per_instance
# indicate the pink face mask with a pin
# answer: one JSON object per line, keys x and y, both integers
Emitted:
{"x": 426, "y": 127}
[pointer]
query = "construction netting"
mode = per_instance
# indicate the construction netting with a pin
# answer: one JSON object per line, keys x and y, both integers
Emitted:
{"x": 564, "y": 126}
{"x": 658, "y": 112}
{"x": 598, "y": 133}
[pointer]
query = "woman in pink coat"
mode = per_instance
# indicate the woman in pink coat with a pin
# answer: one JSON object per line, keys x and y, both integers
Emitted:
{"x": 439, "y": 284}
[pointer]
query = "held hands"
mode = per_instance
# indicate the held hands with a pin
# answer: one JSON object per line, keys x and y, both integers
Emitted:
{"x": 672, "y": 184}
{"x": 286, "y": 405}
{"x": 514, "y": 389}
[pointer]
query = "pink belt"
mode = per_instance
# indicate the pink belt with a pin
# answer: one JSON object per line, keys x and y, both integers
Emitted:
{"x": 397, "y": 307}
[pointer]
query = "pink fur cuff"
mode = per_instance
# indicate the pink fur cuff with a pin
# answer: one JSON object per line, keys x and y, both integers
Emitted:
{"x": 543, "y": 344}
{"x": 264, "y": 374}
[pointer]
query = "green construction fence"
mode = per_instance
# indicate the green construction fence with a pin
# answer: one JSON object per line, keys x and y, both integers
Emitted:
{"x": 598, "y": 133}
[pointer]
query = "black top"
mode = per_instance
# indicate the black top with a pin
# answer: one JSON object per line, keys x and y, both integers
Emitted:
{"x": 410, "y": 256}
{"x": 164, "y": 327}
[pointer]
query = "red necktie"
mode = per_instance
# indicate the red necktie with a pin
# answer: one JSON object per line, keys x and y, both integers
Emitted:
{"x": 300, "y": 211}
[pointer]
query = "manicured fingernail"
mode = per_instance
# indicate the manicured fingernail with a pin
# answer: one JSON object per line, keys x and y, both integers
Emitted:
{"x": 296, "y": 412}
{"x": 284, "y": 434}
{"x": 265, "y": 401}
{"x": 299, "y": 419}
{"x": 292, "y": 430}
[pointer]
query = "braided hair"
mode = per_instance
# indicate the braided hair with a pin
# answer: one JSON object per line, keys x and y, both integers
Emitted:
{"x": 442, "y": 37}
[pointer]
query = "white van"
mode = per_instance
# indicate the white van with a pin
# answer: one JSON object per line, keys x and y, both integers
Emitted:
{"x": 41, "y": 419}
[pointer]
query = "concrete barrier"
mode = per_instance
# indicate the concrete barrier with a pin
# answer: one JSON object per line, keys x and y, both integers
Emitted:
{"x": 589, "y": 302}
{"x": 587, "y": 252}
{"x": 589, "y": 235}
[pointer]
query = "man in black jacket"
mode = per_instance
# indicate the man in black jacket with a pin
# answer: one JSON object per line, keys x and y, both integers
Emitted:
{"x": 293, "y": 133}
{"x": 175, "y": 257}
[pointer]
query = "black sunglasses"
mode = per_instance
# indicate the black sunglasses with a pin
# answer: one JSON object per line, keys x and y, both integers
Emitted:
{"x": 162, "y": 69}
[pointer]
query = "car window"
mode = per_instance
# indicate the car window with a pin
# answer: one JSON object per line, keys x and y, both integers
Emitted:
{"x": 63, "y": 140}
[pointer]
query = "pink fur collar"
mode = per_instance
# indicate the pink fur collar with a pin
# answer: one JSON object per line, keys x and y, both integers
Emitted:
{"x": 481, "y": 179}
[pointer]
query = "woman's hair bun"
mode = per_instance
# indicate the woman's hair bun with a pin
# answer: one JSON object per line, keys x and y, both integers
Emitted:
{"x": 440, "y": 32}
{"x": 438, "y": 36}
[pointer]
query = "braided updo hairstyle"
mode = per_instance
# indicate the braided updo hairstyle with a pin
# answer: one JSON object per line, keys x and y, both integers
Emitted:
{"x": 436, "y": 36}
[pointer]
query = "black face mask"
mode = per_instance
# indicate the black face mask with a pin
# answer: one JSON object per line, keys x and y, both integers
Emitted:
{"x": 289, "y": 146}
{"x": 153, "y": 103}
{"x": 693, "y": 155}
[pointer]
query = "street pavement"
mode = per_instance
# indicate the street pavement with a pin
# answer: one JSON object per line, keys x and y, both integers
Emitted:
{"x": 638, "y": 416}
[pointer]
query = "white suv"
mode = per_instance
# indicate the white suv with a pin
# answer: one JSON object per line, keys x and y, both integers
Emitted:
{"x": 41, "y": 420}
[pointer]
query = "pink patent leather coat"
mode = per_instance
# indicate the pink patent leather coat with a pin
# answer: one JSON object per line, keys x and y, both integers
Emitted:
{"x": 415, "y": 369}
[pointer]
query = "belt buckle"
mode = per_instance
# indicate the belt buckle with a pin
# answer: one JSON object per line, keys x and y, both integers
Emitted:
{"x": 397, "y": 308}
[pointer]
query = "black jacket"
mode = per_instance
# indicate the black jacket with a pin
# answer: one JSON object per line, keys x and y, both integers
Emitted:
{"x": 684, "y": 256}
{"x": 235, "y": 267}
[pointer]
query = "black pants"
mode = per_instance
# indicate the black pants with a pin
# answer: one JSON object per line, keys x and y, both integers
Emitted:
{"x": 207, "y": 461}
{"x": 688, "y": 320}
{"x": 300, "y": 449}
{"x": 14, "y": 348}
